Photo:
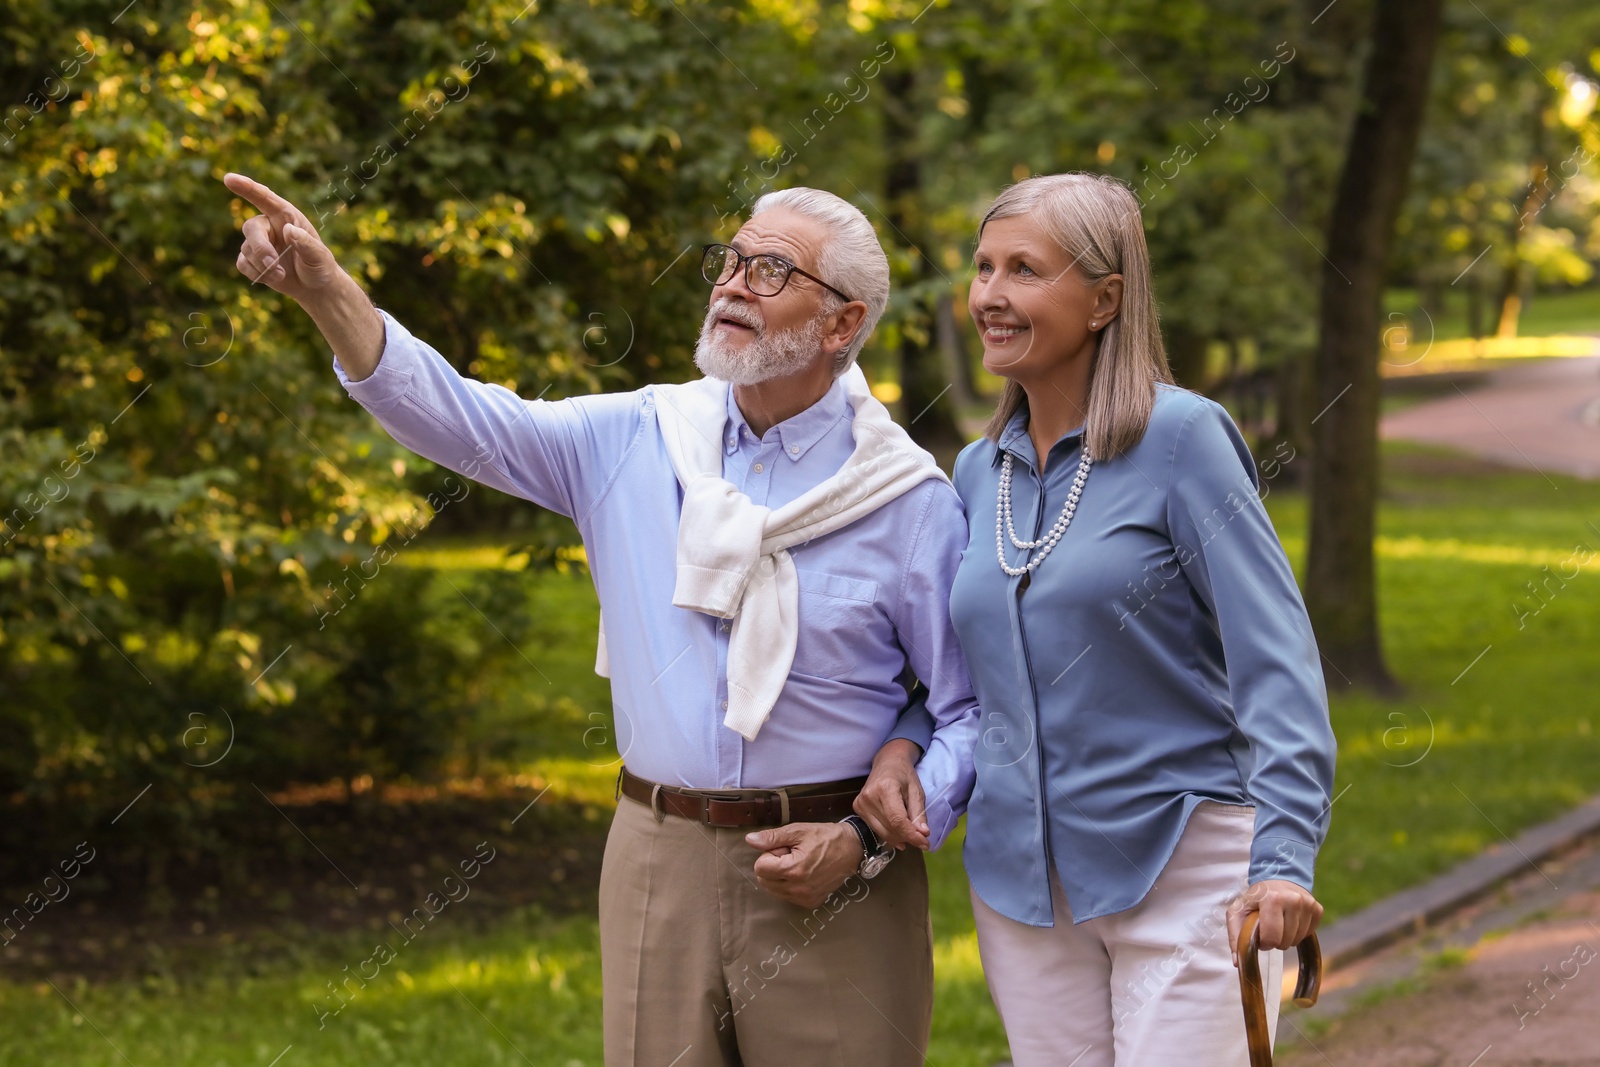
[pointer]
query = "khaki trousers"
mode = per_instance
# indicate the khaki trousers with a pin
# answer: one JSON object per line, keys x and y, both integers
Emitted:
{"x": 704, "y": 968}
{"x": 1153, "y": 986}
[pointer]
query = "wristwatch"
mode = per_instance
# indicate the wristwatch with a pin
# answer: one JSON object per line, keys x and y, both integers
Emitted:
{"x": 874, "y": 856}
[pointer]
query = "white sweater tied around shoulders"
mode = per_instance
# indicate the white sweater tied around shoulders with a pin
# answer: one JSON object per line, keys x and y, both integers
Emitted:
{"x": 733, "y": 560}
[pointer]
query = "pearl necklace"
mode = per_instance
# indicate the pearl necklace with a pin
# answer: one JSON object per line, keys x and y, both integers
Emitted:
{"x": 1002, "y": 518}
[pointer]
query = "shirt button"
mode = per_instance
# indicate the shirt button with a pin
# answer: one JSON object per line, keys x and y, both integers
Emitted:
{"x": 724, "y": 627}
{"x": 724, "y": 705}
{"x": 758, "y": 468}
{"x": 794, "y": 450}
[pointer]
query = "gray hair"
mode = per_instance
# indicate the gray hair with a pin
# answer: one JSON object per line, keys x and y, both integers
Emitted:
{"x": 851, "y": 259}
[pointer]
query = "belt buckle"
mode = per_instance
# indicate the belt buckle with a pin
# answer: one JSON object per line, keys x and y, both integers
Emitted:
{"x": 705, "y": 812}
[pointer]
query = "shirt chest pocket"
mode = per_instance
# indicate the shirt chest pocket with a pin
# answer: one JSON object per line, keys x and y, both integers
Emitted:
{"x": 839, "y": 623}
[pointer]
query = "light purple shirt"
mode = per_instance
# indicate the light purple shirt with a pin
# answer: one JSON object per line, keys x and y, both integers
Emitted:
{"x": 874, "y": 596}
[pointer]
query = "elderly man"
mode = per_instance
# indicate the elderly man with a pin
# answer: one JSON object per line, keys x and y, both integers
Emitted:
{"x": 771, "y": 554}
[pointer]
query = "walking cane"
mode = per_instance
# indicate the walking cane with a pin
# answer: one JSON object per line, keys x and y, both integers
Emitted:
{"x": 1306, "y": 987}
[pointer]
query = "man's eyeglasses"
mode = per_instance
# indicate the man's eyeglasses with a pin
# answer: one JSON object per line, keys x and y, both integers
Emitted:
{"x": 764, "y": 273}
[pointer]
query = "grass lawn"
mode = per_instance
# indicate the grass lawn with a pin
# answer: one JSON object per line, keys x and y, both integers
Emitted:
{"x": 1498, "y": 731}
{"x": 1562, "y": 311}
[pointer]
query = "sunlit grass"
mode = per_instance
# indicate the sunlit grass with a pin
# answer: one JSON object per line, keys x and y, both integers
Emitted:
{"x": 578, "y": 780}
{"x": 1498, "y": 726}
{"x": 479, "y": 555}
{"x": 1451, "y": 549}
{"x": 447, "y": 998}
{"x": 462, "y": 557}
{"x": 1547, "y": 313}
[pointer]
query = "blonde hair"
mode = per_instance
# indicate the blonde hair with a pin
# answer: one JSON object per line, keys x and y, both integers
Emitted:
{"x": 1095, "y": 220}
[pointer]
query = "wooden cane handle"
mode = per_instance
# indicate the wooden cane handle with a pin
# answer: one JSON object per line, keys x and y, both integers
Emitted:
{"x": 1307, "y": 987}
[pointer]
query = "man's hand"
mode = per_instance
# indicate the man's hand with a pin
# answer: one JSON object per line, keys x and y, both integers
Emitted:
{"x": 803, "y": 862}
{"x": 281, "y": 247}
{"x": 282, "y": 251}
{"x": 892, "y": 801}
{"x": 1288, "y": 914}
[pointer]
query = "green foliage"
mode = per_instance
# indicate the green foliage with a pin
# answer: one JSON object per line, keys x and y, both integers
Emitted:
{"x": 188, "y": 493}
{"x": 1504, "y": 177}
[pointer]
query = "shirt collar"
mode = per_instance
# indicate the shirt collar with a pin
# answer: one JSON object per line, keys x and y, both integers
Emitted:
{"x": 1015, "y": 440}
{"x": 796, "y": 434}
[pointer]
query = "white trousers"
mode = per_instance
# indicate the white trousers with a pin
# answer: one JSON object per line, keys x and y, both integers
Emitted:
{"x": 1153, "y": 986}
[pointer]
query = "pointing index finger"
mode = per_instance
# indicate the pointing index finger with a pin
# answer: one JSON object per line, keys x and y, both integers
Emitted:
{"x": 259, "y": 195}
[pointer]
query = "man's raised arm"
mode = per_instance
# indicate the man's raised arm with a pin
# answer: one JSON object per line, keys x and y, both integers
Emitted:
{"x": 558, "y": 454}
{"x": 282, "y": 251}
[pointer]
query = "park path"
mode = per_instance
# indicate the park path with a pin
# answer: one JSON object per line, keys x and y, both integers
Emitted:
{"x": 1521, "y": 988}
{"x": 1544, "y": 415}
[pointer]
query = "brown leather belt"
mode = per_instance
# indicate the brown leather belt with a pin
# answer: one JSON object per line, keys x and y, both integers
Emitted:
{"x": 823, "y": 802}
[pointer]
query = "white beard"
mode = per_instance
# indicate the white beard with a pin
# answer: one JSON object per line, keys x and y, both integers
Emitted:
{"x": 768, "y": 355}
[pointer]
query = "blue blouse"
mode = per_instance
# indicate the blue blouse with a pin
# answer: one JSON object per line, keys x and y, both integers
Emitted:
{"x": 1159, "y": 656}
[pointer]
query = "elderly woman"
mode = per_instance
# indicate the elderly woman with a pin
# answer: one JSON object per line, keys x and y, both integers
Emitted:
{"x": 1156, "y": 757}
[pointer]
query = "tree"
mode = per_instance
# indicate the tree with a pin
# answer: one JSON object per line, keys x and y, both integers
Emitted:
{"x": 1341, "y": 594}
{"x": 1185, "y": 103}
{"x": 1498, "y": 192}
{"x": 187, "y": 499}
{"x": 925, "y": 404}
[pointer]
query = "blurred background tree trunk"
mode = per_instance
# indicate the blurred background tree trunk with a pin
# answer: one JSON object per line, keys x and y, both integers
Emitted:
{"x": 926, "y": 403}
{"x": 1341, "y": 591}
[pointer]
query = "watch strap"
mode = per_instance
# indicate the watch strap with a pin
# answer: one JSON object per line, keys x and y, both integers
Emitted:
{"x": 869, "y": 840}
